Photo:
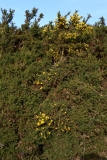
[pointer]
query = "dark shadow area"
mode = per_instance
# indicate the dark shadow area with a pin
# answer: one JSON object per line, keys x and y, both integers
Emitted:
{"x": 93, "y": 156}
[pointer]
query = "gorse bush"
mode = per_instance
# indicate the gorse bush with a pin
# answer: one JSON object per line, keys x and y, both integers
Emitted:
{"x": 67, "y": 36}
{"x": 53, "y": 89}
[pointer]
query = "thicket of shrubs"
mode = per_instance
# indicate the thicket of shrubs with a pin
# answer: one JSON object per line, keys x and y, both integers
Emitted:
{"x": 53, "y": 88}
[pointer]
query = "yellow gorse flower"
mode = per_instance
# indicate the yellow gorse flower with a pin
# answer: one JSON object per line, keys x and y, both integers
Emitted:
{"x": 43, "y": 121}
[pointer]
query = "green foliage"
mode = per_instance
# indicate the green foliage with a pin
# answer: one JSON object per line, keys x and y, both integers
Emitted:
{"x": 98, "y": 45}
{"x": 53, "y": 101}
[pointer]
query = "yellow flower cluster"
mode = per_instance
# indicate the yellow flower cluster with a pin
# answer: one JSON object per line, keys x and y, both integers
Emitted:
{"x": 68, "y": 36}
{"x": 45, "y": 77}
{"x": 45, "y": 29}
{"x": 38, "y": 82}
{"x": 75, "y": 18}
{"x": 71, "y": 35}
{"x": 61, "y": 22}
{"x": 83, "y": 27}
{"x": 86, "y": 46}
{"x": 62, "y": 126}
{"x": 64, "y": 129}
{"x": 53, "y": 52}
{"x": 43, "y": 121}
{"x": 80, "y": 26}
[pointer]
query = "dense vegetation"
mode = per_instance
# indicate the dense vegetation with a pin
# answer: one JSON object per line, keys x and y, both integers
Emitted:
{"x": 53, "y": 88}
